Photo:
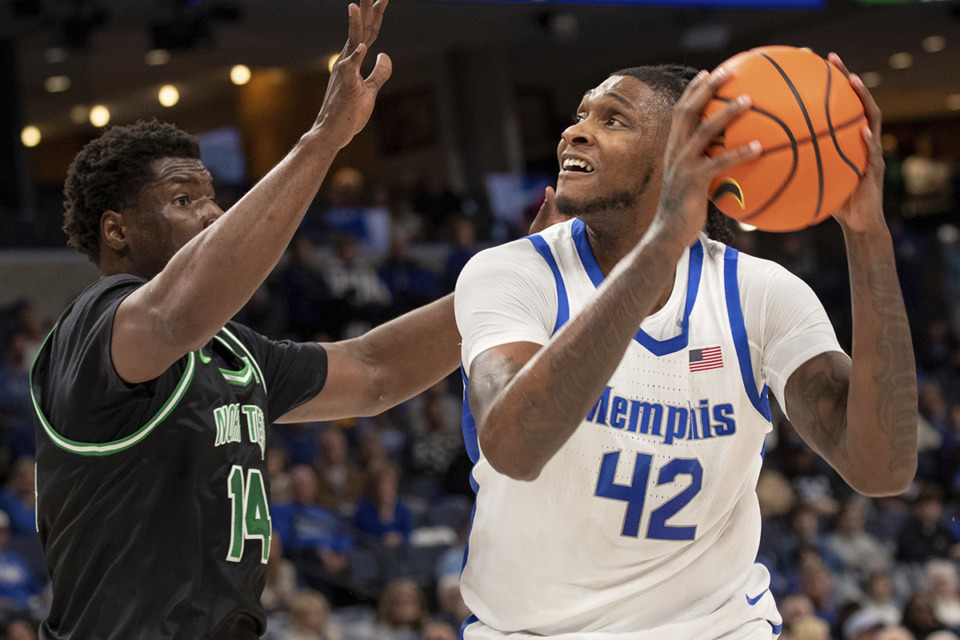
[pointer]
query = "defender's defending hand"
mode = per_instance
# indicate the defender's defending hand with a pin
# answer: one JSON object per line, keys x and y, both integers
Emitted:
{"x": 687, "y": 169}
{"x": 548, "y": 215}
{"x": 863, "y": 211}
{"x": 350, "y": 97}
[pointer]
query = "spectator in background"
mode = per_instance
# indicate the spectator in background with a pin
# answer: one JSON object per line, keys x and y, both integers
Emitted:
{"x": 407, "y": 221}
{"x": 435, "y": 437}
{"x": 450, "y": 606}
{"x": 279, "y": 476}
{"x": 919, "y": 617}
{"x": 348, "y": 214}
{"x": 795, "y": 607}
{"x": 17, "y": 497}
{"x": 300, "y": 441}
{"x": 948, "y": 457}
{"x": 411, "y": 285}
{"x": 439, "y": 630}
{"x": 304, "y": 292}
{"x": 942, "y": 576}
{"x": 862, "y": 625}
{"x": 29, "y": 322}
{"x": 373, "y": 453}
{"x": 281, "y": 579}
{"x": 309, "y": 618}
{"x": 313, "y": 536}
{"x": 878, "y": 597}
{"x": 435, "y": 203}
{"x": 20, "y": 629}
{"x": 340, "y": 481}
{"x": 16, "y": 419}
{"x": 927, "y": 181}
{"x": 381, "y": 514}
{"x": 858, "y": 550}
{"x": 819, "y": 584}
{"x": 356, "y": 285}
{"x": 402, "y": 611}
{"x": 924, "y": 535}
{"x": 802, "y": 538}
{"x": 807, "y": 628}
{"x": 896, "y": 633}
{"x": 464, "y": 248}
{"x": 18, "y": 584}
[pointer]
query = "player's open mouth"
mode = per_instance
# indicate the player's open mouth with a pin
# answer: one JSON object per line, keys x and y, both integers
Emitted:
{"x": 575, "y": 164}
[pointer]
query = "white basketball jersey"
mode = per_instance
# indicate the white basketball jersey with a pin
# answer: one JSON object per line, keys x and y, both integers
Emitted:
{"x": 647, "y": 518}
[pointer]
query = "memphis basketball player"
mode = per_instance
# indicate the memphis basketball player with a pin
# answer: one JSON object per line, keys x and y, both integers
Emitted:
{"x": 645, "y": 524}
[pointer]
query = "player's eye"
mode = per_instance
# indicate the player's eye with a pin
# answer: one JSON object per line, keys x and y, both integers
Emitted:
{"x": 580, "y": 117}
{"x": 181, "y": 201}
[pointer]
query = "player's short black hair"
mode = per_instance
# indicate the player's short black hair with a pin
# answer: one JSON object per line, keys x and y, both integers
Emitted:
{"x": 109, "y": 172}
{"x": 670, "y": 80}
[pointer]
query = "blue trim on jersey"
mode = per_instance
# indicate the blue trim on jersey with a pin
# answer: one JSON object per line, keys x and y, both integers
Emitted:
{"x": 579, "y": 232}
{"x": 472, "y": 443}
{"x": 563, "y": 306}
{"x": 775, "y": 628}
{"x": 654, "y": 346}
{"x": 759, "y": 399}
{"x": 469, "y": 426}
{"x": 467, "y": 622}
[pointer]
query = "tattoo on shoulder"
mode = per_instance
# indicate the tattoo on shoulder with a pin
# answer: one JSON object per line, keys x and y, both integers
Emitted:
{"x": 820, "y": 399}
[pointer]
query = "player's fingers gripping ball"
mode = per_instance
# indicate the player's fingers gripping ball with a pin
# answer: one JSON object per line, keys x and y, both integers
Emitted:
{"x": 808, "y": 118}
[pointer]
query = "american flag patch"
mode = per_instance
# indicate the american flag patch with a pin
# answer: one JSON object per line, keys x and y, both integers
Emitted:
{"x": 705, "y": 358}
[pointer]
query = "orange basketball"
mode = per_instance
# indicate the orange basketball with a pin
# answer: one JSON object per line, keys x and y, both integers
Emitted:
{"x": 808, "y": 118}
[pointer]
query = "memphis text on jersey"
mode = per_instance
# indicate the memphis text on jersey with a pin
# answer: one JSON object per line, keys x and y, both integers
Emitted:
{"x": 668, "y": 422}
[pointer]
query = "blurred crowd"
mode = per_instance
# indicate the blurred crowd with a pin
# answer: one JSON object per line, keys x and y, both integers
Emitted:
{"x": 371, "y": 515}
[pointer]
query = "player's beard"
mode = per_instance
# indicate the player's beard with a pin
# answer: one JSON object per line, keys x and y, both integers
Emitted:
{"x": 619, "y": 201}
{"x": 616, "y": 201}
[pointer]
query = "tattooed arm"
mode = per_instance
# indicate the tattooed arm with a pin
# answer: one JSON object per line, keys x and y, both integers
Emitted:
{"x": 527, "y": 400}
{"x": 861, "y": 416}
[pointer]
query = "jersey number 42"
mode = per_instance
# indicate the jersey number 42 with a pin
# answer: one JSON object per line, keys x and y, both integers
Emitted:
{"x": 635, "y": 493}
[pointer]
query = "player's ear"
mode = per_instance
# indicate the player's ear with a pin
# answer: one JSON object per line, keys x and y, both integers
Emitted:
{"x": 111, "y": 230}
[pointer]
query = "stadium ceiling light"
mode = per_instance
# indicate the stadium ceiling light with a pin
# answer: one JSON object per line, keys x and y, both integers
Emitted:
{"x": 871, "y": 79}
{"x": 168, "y": 95}
{"x": 56, "y": 84}
{"x": 240, "y": 74}
{"x": 902, "y": 60}
{"x": 30, "y": 136}
{"x": 157, "y": 57}
{"x": 99, "y": 116}
{"x": 933, "y": 44}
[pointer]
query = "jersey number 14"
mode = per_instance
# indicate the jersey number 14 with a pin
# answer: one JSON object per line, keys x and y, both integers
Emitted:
{"x": 250, "y": 513}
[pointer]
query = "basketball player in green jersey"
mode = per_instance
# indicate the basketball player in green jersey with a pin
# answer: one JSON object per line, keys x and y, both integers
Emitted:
{"x": 152, "y": 405}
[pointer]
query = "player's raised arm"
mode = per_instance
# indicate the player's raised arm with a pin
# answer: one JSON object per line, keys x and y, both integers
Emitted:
{"x": 526, "y": 399}
{"x": 861, "y": 416}
{"x": 191, "y": 296}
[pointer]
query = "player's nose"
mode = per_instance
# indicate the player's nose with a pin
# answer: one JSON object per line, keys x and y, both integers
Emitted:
{"x": 577, "y": 133}
{"x": 211, "y": 213}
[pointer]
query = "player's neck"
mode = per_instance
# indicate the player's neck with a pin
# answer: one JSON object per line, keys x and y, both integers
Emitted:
{"x": 611, "y": 243}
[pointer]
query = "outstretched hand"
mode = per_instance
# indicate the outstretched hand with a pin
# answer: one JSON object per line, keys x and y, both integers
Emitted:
{"x": 548, "y": 215}
{"x": 350, "y": 97}
{"x": 863, "y": 211}
{"x": 687, "y": 169}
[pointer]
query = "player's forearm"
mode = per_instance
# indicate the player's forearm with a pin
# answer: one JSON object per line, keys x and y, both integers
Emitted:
{"x": 410, "y": 354}
{"x": 547, "y": 399}
{"x": 215, "y": 274}
{"x": 881, "y": 424}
